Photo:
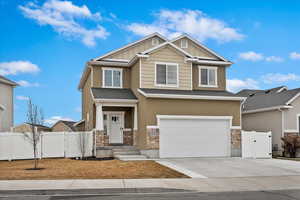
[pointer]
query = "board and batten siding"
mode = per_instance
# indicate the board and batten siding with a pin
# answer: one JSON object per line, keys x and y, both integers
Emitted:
{"x": 221, "y": 77}
{"x": 167, "y": 55}
{"x": 194, "y": 49}
{"x": 129, "y": 52}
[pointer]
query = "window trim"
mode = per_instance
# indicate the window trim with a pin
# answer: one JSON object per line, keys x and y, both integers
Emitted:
{"x": 112, "y": 69}
{"x": 155, "y": 39}
{"x": 208, "y": 68}
{"x": 181, "y": 43}
{"x": 166, "y": 85}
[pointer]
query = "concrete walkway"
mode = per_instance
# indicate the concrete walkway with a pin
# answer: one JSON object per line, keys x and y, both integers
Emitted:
{"x": 196, "y": 184}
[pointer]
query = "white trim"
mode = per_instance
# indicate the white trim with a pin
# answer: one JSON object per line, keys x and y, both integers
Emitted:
{"x": 211, "y": 62}
{"x": 116, "y": 100}
{"x": 127, "y": 129}
{"x": 99, "y": 117}
{"x": 92, "y": 77}
{"x": 131, "y": 44}
{"x": 135, "y": 118}
{"x": 236, "y": 127}
{"x": 167, "y": 43}
{"x": 159, "y": 117}
{"x": 152, "y": 126}
{"x": 175, "y": 96}
{"x": 116, "y": 60}
{"x": 283, "y": 88}
{"x": 192, "y": 76}
{"x": 105, "y": 63}
{"x": 112, "y": 73}
{"x": 208, "y": 68}
{"x": 292, "y": 99}
{"x": 183, "y": 46}
{"x": 290, "y": 131}
{"x": 140, "y": 72}
{"x": 201, "y": 45}
{"x": 118, "y": 105}
{"x": 298, "y": 128}
{"x": 79, "y": 122}
{"x": 267, "y": 109}
{"x": 166, "y": 85}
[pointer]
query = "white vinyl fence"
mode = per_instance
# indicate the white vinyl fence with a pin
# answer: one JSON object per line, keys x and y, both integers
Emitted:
{"x": 256, "y": 144}
{"x": 15, "y": 146}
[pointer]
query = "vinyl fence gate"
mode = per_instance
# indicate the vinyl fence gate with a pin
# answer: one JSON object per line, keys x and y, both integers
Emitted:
{"x": 256, "y": 144}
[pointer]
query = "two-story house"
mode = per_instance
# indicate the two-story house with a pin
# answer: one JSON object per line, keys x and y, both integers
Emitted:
{"x": 167, "y": 98}
{"x": 6, "y": 103}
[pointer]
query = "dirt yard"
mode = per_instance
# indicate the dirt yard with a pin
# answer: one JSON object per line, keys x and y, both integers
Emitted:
{"x": 87, "y": 169}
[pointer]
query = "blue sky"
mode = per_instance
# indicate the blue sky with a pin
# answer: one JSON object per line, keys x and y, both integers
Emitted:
{"x": 45, "y": 44}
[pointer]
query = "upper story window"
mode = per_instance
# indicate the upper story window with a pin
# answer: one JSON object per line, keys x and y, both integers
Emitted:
{"x": 166, "y": 74}
{"x": 155, "y": 41}
{"x": 112, "y": 78}
{"x": 184, "y": 43}
{"x": 208, "y": 76}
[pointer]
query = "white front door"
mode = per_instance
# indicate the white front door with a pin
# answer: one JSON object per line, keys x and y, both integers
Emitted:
{"x": 116, "y": 128}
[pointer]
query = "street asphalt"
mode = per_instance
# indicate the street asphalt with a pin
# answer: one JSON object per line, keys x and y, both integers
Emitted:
{"x": 148, "y": 194}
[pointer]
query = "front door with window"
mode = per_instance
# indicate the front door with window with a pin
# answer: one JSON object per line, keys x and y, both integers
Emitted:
{"x": 115, "y": 130}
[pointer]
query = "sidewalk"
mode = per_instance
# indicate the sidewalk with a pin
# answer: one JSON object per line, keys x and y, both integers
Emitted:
{"x": 196, "y": 184}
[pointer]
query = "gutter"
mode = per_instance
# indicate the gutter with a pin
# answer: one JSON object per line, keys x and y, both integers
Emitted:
{"x": 267, "y": 109}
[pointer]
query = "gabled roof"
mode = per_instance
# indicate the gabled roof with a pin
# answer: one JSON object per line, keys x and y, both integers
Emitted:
{"x": 201, "y": 45}
{"x": 69, "y": 124}
{"x": 262, "y": 100}
{"x": 7, "y": 81}
{"x": 131, "y": 44}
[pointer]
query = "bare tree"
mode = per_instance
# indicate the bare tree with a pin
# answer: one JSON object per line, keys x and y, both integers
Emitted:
{"x": 35, "y": 117}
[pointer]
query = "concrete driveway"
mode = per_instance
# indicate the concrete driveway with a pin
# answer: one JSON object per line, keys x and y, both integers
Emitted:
{"x": 232, "y": 167}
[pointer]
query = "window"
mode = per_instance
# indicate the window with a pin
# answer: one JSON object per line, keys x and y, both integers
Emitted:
{"x": 112, "y": 78}
{"x": 184, "y": 43}
{"x": 207, "y": 76}
{"x": 166, "y": 74}
{"x": 155, "y": 41}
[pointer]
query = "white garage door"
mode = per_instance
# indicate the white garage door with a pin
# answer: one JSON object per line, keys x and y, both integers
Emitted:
{"x": 193, "y": 136}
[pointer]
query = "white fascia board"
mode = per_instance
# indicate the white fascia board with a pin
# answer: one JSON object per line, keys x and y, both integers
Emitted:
{"x": 107, "y": 63}
{"x": 176, "y": 96}
{"x": 201, "y": 45}
{"x": 292, "y": 99}
{"x": 2, "y": 107}
{"x": 115, "y": 60}
{"x": 79, "y": 122}
{"x": 267, "y": 109}
{"x": 131, "y": 44}
{"x": 115, "y": 100}
{"x": 291, "y": 131}
{"x": 212, "y": 62}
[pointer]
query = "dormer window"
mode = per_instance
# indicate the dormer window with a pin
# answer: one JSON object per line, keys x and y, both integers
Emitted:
{"x": 208, "y": 76}
{"x": 155, "y": 41}
{"x": 184, "y": 43}
{"x": 112, "y": 78}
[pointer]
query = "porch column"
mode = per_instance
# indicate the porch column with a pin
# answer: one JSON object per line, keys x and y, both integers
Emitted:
{"x": 99, "y": 117}
{"x": 135, "y": 123}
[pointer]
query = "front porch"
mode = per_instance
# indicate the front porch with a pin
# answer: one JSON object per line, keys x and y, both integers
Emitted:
{"x": 115, "y": 124}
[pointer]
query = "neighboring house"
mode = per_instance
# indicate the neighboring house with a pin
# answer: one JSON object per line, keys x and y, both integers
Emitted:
{"x": 26, "y": 127}
{"x": 165, "y": 97}
{"x": 6, "y": 103}
{"x": 276, "y": 110}
{"x": 64, "y": 126}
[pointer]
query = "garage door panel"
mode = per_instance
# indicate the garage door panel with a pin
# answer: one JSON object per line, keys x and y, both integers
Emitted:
{"x": 194, "y": 138}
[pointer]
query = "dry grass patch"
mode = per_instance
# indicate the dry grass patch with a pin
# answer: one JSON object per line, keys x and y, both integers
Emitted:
{"x": 87, "y": 169}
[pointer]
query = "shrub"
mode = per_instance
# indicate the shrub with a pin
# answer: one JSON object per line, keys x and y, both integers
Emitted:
{"x": 290, "y": 145}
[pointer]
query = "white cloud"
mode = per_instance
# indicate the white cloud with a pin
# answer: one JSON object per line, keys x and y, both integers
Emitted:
{"x": 279, "y": 78}
{"x": 234, "y": 85}
{"x": 193, "y": 22}
{"x": 63, "y": 17}
{"x": 295, "y": 56}
{"x": 27, "y": 84}
{"x": 251, "y": 56}
{"x": 22, "y": 98}
{"x": 274, "y": 59}
{"x": 54, "y": 119}
{"x": 18, "y": 67}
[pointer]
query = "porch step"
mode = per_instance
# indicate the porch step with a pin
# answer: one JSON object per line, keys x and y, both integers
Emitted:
{"x": 130, "y": 157}
{"x": 126, "y": 152}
